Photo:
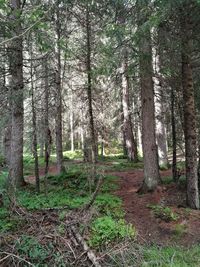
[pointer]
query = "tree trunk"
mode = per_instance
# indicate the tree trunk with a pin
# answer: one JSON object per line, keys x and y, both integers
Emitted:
{"x": 150, "y": 154}
{"x": 59, "y": 146}
{"x": 189, "y": 112}
{"x": 7, "y": 143}
{"x": 130, "y": 142}
{"x": 89, "y": 88}
{"x": 34, "y": 125}
{"x": 48, "y": 141}
{"x": 71, "y": 123}
{"x": 161, "y": 136}
{"x": 17, "y": 87}
{"x": 174, "y": 145}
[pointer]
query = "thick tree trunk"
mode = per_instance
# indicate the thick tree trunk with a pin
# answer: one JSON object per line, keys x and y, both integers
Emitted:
{"x": 130, "y": 142}
{"x": 189, "y": 113}
{"x": 7, "y": 143}
{"x": 89, "y": 88}
{"x": 17, "y": 87}
{"x": 150, "y": 154}
{"x": 59, "y": 145}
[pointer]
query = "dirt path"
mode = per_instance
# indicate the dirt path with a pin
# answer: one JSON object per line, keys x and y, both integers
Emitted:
{"x": 151, "y": 229}
{"x": 31, "y": 178}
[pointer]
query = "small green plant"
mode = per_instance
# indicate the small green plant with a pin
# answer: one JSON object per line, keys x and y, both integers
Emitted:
{"x": 108, "y": 204}
{"x": 180, "y": 230}
{"x": 8, "y": 222}
{"x": 30, "y": 248}
{"x": 164, "y": 213}
{"x": 105, "y": 230}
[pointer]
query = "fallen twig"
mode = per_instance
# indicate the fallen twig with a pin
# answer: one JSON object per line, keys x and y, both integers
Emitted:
{"x": 86, "y": 248}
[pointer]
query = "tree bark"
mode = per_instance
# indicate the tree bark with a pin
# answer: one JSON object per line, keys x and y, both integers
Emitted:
{"x": 174, "y": 143}
{"x": 71, "y": 122}
{"x": 34, "y": 125}
{"x": 130, "y": 142}
{"x": 48, "y": 141}
{"x": 89, "y": 87}
{"x": 59, "y": 145}
{"x": 17, "y": 88}
{"x": 189, "y": 111}
{"x": 150, "y": 154}
{"x": 161, "y": 136}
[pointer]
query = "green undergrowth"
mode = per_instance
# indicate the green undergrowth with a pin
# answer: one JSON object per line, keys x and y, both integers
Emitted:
{"x": 37, "y": 253}
{"x": 169, "y": 180}
{"x": 135, "y": 255}
{"x": 171, "y": 256}
{"x": 73, "y": 155}
{"x": 106, "y": 229}
{"x": 72, "y": 190}
{"x": 164, "y": 213}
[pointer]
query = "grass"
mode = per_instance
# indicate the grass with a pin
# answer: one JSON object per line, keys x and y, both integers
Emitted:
{"x": 135, "y": 255}
{"x": 107, "y": 227}
{"x": 171, "y": 256}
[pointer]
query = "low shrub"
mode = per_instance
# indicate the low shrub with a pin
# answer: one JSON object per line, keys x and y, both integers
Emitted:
{"x": 105, "y": 230}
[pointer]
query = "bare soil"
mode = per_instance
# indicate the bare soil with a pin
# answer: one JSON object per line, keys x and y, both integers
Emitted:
{"x": 151, "y": 229}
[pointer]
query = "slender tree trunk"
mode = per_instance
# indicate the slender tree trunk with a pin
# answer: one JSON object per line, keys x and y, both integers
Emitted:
{"x": 130, "y": 142}
{"x": 41, "y": 147}
{"x": 48, "y": 141}
{"x": 150, "y": 154}
{"x": 59, "y": 146}
{"x": 189, "y": 112}
{"x": 122, "y": 130}
{"x": 34, "y": 124}
{"x": 89, "y": 87}
{"x": 174, "y": 145}
{"x": 71, "y": 123}
{"x": 17, "y": 87}
{"x": 82, "y": 130}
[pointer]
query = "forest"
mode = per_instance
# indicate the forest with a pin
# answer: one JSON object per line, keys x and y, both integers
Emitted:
{"x": 99, "y": 133}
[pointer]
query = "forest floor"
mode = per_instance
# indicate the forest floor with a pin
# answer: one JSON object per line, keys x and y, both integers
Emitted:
{"x": 183, "y": 229}
{"x": 161, "y": 217}
{"x": 120, "y": 228}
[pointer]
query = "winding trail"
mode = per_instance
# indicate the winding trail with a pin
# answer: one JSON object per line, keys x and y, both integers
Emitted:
{"x": 151, "y": 229}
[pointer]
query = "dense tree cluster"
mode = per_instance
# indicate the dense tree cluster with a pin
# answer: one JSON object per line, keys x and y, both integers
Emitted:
{"x": 90, "y": 74}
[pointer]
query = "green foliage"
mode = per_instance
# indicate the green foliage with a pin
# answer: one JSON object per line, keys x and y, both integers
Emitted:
{"x": 55, "y": 198}
{"x": 164, "y": 167}
{"x": 3, "y": 178}
{"x": 109, "y": 184}
{"x": 180, "y": 230}
{"x": 164, "y": 213}
{"x": 8, "y": 222}
{"x": 105, "y": 230}
{"x": 171, "y": 256}
{"x": 109, "y": 205}
{"x": 2, "y": 160}
{"x": 70, "y": 155}
{"x": 29, "y": 161}
{"x": 167, "y": 180}
{"x": 28, "y": 246}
